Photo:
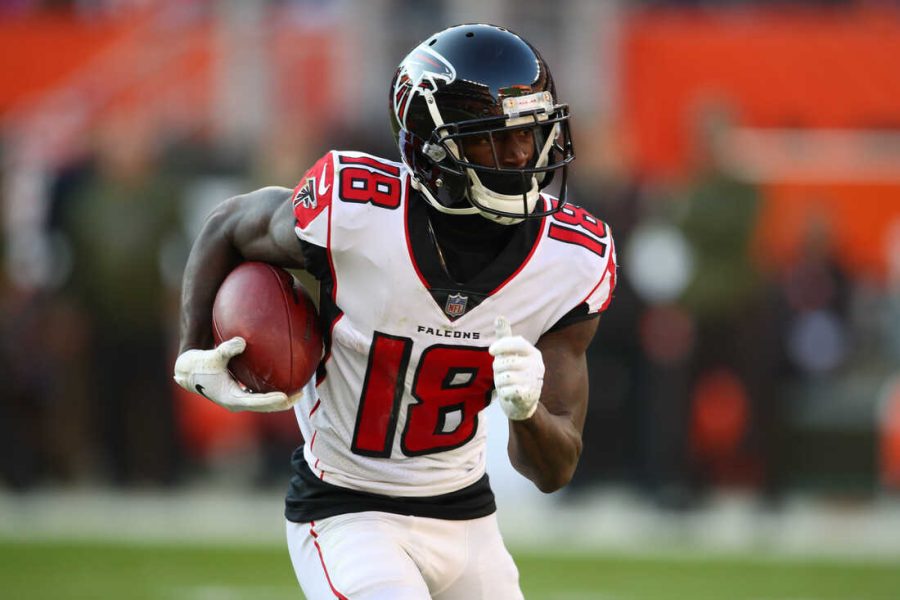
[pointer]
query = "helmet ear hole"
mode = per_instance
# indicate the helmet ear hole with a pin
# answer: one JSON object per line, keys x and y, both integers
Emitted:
{"x": 434, "y": 152}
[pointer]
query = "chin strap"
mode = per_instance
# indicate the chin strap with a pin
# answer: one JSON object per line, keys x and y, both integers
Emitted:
{"x": 426, "y": 193}
{"x": 544, "y": 156}
{"x": 492, "y": 199}
{"x": 431, "y": 104}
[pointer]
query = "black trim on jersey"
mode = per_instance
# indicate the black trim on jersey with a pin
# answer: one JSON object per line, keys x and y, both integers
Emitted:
{"x": 579, "y": 313}
{"x": 502, "y": 250}
{"x": 309, "y": 499}
{"x": 316, "y": 262}
{"x": 395, "y": 405}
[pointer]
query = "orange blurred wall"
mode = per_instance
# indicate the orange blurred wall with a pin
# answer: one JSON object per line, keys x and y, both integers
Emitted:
{"x": 778, "y": 68}
{"x": 38, "y": 52}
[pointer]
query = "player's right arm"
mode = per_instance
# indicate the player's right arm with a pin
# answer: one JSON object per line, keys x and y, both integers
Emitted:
{"x": 258, "y": 226}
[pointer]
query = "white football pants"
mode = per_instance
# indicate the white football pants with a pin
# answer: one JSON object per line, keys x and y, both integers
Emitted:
{"x": 383, "y": 556}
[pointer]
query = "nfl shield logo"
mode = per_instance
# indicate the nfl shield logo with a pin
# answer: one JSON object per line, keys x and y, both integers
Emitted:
{"x": 456, "y": 305}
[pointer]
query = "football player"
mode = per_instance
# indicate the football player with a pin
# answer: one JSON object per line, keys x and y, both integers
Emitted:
{"x": 447, "y": 280}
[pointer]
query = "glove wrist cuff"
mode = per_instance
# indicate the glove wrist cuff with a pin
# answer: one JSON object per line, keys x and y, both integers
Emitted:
{"x": 519, "y": 415}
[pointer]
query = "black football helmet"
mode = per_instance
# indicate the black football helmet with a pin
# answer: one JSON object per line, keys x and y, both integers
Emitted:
{"x": 478, "y": 83}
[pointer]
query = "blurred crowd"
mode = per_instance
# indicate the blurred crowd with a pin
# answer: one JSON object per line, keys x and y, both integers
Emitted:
{"x": 712, "y": 368}
{"x": 717, "y": 370}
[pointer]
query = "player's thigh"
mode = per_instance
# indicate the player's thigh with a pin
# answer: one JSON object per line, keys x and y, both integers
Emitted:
{"x": 355, "y": 556}
{"x": 489, "y": 570}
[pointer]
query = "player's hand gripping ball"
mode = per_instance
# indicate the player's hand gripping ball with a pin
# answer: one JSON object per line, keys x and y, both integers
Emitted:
{"x": 268, "y": 339}
{"x": 518, "y": 372}
{"x": 206, "y": 373}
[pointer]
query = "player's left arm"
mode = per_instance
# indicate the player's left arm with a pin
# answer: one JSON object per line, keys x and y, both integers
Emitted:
{"x": 545, "y": 446}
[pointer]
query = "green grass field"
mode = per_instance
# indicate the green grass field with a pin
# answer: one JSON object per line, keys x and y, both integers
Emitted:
{"x": 47, "y": 570}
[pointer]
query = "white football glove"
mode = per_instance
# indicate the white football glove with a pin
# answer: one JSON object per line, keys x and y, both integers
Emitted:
{"x": 205, "y": 372}
{"x": 518, "y": 372}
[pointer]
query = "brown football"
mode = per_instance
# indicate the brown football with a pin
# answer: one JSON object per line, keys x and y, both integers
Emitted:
{"x": 269, "y": 308}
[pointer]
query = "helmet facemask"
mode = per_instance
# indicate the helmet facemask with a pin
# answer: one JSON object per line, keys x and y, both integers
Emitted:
{"x": 504, "y": 193}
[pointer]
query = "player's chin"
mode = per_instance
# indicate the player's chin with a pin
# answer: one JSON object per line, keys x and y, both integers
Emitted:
{"x": 509, "y": 185}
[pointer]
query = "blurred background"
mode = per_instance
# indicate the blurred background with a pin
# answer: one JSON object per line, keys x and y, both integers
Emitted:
{"x": 745, "y": 383}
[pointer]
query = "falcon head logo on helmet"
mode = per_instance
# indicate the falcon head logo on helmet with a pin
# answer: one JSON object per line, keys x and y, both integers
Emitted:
{"x": 420, "y": 70}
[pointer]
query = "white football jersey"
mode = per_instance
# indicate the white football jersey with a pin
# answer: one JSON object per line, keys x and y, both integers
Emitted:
{"x": 394, "y": 408}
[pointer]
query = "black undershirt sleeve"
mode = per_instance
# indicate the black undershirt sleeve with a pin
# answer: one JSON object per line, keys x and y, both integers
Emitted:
{"x": 315, "y": 259}
{"x": 579, "y": 313}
